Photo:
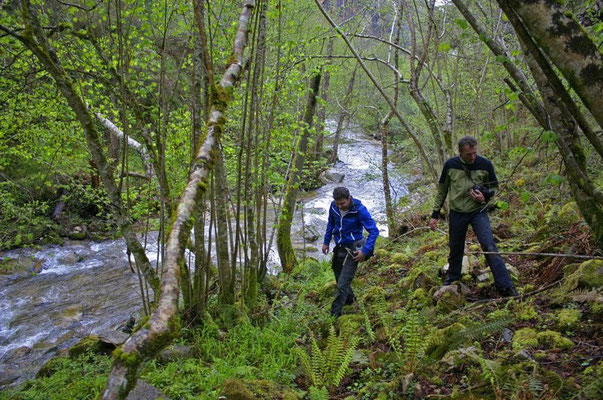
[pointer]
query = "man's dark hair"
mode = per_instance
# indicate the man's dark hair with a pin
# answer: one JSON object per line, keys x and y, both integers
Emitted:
{"x": 340, "y": 193}
{"x": 467, "y": 140}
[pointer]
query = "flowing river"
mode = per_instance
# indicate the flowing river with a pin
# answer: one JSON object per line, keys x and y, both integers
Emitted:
{"x": 85, "y": 287}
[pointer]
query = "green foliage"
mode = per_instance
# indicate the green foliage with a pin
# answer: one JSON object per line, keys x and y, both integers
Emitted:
{"x": 83, "y": 377}
{"x": 246, "y": 351}
{"x": 326, "y": 368}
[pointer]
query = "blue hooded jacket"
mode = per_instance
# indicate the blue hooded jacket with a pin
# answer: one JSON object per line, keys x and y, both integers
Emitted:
{"x": 348, "y": 228}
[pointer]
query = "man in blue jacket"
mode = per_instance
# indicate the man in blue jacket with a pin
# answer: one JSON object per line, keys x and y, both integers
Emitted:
{"x": 347, "y": 219}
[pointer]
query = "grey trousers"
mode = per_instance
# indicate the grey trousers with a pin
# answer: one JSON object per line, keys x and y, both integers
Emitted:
{"x": 344, "y": 268}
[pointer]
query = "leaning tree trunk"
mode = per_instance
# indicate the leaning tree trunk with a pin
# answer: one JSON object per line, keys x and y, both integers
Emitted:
{"x": 322, "y": 108}
{"x": 588, "y": 198}
{"x": 566, "y": 43}
{"x": 283, "y": 233}
{"x": 533, "y": 103}
{"x": 35, "y": 40}
{"x": 163, "y": 323}
{"x": 341, "y": 118}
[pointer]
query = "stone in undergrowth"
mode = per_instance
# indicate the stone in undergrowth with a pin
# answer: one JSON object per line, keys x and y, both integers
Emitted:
{"x": 449, "y": 297}
{"x": 174, "y": 353}
{"x": 114, "y": 338}
{"x": 235, "y": 389}
{"x": 330, "y": 176}
{"x": 78, "y": 233}
{"x": 90, "y": 343}
{"x": 590, "y": 274}
{"x": 406, "y": 380}
{"x": 144, "y": 391}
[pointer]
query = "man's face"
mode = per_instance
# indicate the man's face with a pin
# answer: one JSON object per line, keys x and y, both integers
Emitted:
{"x": 344, "y": 204}
{"x": 468, "y": 153}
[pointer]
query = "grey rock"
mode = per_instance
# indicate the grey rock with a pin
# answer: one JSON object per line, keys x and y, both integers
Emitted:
{"x": 115, "y": 338}
{"x": 525, "y": 354}
{"x": 174, "y": 353}
{"x": 69, "y": 259}
{"x": 507, "y": 335}
{"x": 330, "y": 176}
{"x": 8, "y": 374}
{"x": 144, "y": 391}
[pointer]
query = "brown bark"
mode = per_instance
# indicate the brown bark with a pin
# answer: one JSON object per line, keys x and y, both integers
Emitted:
{"x": 163, "y": 323}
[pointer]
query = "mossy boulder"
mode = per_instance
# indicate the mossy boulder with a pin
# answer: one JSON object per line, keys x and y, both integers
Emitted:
{"x": 51, "y": 366}
{"x": 529, "y": 338}
{"x": 235, "y": 389}
{"x": 568, "y": 318}
{"x": 90, "y": 343}
{"x": 399, "y": 258}
{"x": 590, "y": 274}
{"x": 449, "y": 298}
{"x": 525, "y": 338}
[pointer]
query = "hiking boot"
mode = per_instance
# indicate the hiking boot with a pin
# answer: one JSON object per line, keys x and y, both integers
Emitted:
{"x": 509, "y": 292}
{"x": 350, "y": 300}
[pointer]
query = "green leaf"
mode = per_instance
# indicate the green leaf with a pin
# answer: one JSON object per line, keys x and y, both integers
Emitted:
{"x": 554, "y": 179}
{"x": 501, "y": 59}
{"x": 503, "y": 205}
{"x": 462, "y": 23}
{"x": 549, "y": 137}
{"x": 445, "y": 46}
{"x": 525, "y": 196}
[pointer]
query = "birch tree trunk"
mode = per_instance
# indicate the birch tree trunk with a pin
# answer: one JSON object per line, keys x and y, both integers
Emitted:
{"x": 163, "y": 323}
{"x": 283, "y": 234}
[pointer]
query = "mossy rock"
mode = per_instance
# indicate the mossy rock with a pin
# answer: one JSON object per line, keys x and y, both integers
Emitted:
{"x": 373, "y": 294}
{"x": 328, "y": 290}
{"x": 399, "y": 258}
{"x": 591, "y": 274}
{"x": 235, "y": 389}
{"x": 51, "y": 366}
{"x": 525, "y": 338}
{"x": 90, "y": 343}
{"x": 568, "y": 318}
{"x": 418, "y": 279}
{"x": 569, "y": 213}
{"x": 553, "y": 339}
{"x": 529, "y": 338}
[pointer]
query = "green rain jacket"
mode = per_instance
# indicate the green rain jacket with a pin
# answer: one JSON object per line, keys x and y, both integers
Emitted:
{"x": 458, "y": 178}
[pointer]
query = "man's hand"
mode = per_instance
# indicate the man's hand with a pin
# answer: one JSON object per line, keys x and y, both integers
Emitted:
{"x": 359, "y": 256}
{"x": 477, "y": 196}
{"x": 433, "y": 223}
{"x": 325, "y": 248}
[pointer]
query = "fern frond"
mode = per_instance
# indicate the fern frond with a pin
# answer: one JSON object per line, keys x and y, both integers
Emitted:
{"x": 348, "y": 354}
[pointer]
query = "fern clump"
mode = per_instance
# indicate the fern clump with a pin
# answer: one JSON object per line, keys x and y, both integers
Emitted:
{"x": 326, "y": 368}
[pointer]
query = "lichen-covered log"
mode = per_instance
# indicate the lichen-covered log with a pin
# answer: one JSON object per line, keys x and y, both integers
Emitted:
{"x": 568, "y": 46}
{"x": 163, "y": 323}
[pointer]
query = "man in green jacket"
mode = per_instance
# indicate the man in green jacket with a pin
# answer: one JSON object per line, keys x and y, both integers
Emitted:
{"x": 471, "y": 182}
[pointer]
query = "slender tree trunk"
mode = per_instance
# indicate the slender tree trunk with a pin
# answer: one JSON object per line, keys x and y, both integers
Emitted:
{"x": 322, "y": 108}
{"x": 566, "y": 43}
{"x": 283, "y": 235}
{"x": 345, "y": 112}
{"x": 226, "y": 276}
{"x": 163, "y": 324}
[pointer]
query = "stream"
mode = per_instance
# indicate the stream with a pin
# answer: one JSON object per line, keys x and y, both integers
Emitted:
{"x": 85, "y": 287}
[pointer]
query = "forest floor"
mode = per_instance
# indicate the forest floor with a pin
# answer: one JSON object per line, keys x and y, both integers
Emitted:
{"x": 399, "y": 340}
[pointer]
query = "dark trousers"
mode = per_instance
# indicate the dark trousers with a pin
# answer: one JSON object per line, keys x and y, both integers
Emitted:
{"x": 344, "y": 268}
{"x": 458, "y": 223}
